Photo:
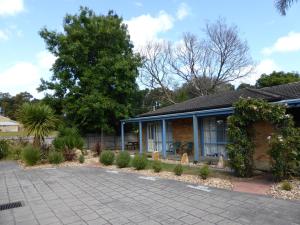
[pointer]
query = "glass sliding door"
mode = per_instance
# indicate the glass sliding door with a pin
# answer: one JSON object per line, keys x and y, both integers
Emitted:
{"x": 154, "y": 136}
{"x": 215, "y": 139}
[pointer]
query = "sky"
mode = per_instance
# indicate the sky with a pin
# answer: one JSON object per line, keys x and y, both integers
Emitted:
{"x": 274, "y": 40}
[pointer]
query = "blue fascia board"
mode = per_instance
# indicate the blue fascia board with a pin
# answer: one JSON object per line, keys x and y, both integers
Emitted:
{"x": 202, "y": 113}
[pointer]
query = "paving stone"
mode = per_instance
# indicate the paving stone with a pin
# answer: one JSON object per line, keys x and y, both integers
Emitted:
{"x": 88, "y": 196}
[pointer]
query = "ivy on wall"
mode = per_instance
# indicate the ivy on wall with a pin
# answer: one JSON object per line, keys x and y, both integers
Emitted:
{"x": 284, "y": 143}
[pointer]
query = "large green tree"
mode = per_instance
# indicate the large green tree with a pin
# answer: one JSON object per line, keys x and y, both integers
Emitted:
{"x": 10, "y": 104}
{"x": 94, "y": 76}
{"x": 277, "y": 78}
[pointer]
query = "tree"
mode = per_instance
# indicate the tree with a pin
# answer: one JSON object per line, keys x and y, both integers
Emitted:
{"x": 155, "y": 72}
{"x": 10, "y": 104}
{"x": 284, "y": 5}
{"x": 277, "y": 78}
{"x": 94, "y": 75}
{"x": 38, "y": 120}
{"x": 207, "y": 65}
{"x": 244, "y": 85}
{"x": 220, "y": 58}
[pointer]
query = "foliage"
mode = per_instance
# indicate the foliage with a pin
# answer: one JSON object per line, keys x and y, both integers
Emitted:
{"x": 157, "y": 166}
{"x": 123, "y": 159}
{"x": 10, "y": 104}
{"x": 55, "y": 157}
{"x": 38, "y": 120}
{"x": 94, "y": 75}
{"x": 4, "y": 149}
{"x": 283, "y": 5}
{"x": 81, "y": 158}
{"x": 107, "y": 157}
{"x": 31, "y": 155}
{"x": 240, "y": 133}
{"x": 68, "y": 138}
{"x": 15, "y": 152}
{"x": 178, "y": 170}
{"x": 285, "y": 153}
{"x": 277, "y": 78}
{"x": 139, "y": 162}
{"x": 285, "y": 185}
{"x": 204, "y": 172}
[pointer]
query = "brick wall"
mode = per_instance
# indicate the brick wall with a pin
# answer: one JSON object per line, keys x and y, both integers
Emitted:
{"x": 182, "y": 130}
{"x": 261, "y": 158}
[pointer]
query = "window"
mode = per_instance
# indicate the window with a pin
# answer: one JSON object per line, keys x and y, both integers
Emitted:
{"x": 154, "y": 136}
{"x": 215, "y": 138}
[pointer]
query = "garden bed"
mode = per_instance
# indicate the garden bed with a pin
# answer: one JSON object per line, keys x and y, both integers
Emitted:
{"x": 276, "y": 191}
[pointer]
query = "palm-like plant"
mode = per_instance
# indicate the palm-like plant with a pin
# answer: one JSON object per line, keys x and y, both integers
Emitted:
{"x": 38, "y": 120}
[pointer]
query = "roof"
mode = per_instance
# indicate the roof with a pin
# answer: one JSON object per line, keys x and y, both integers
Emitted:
{"x": 9, "y": 123}
{"x": 226, "y": 99}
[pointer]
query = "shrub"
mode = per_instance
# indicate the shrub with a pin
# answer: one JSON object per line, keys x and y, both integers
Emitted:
{"x": 31, "y": 155}
{"x": 107, "y": 158}
{"x": 285, "y": 153}
{"x": 178, "y": 170}
{"x": 285, "y": 185}
{"x": 4, "y": 147}
{"x": 81, "y": 158}
{"x": 157, "y": 166}
{"x": 123, "y": 159}
{"x": 55, "y": 157}
{"x": 139, "y": 162}
{"x": 67, "y": 140}
{"x": 15, "y": 152}
{"x": 204, "y": 172}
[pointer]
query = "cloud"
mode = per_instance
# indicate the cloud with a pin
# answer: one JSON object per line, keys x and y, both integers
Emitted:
{"x": 182, "y": 11}
{"x": 3, "y": 35}
{"x": 11, "y": 7}
{"x": 288, "y": 43}
{"x": 266, "y": 66}
{"x": 25, "y": 76}
{"x": 138, "y": 4}
{"x": 145, "y": 28}
{"x": 45, "y": 59}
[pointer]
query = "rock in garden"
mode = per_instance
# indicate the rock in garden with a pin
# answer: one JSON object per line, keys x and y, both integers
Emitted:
{"x": 184, "y": 158}
{"x": 155, "y": 155}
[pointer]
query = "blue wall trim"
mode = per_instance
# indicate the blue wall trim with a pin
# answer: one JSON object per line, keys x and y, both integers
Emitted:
{"x": 196, "y": 138}
{"x": 140, "y": 137}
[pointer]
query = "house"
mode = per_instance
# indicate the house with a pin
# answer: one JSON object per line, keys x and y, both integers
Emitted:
{"x": 8, "y": 125}
{"x": 199, "y": 124}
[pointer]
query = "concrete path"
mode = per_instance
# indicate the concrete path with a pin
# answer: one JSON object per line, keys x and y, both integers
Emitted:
{"x": 97, "y": 196}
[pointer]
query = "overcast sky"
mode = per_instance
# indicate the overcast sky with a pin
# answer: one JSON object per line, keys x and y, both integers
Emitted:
{"x": 274, "y": 40}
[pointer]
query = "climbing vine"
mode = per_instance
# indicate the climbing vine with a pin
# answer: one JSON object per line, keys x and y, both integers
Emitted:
{"x": 284, "y": 143}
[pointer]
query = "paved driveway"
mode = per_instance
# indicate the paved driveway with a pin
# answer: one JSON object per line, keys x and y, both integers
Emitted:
{"x": 96, "y": 196}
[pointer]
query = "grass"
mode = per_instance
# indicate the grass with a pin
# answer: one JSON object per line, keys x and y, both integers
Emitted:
{"x": 191, "y": 170}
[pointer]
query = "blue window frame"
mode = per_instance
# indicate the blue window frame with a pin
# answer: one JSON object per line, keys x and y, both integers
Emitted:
{"x": 215, "y": 137}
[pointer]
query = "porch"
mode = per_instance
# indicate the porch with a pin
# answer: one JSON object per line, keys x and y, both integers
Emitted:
{"x": 199, "y": 134}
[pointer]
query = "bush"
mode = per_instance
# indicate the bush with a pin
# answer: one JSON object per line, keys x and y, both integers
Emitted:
{"x": 81, "y": 158}
{"x": 204, "y": 172}
{"x": 123, "y": 159}
{"x": 157, "y": 166}
{"x": 285, "y": 185}
{"x": 31, "y": 155}
{"x": 67, "y": 140}
{"x": 15, "y": 152}
{"x": 55, "y": 157}
{"x": 139, "y": 162}
{"x": 285, "y": 153}
{"x": 178, "y": 170}
{"x": 107, "y": 158}
{"x": 4, "y": 147}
